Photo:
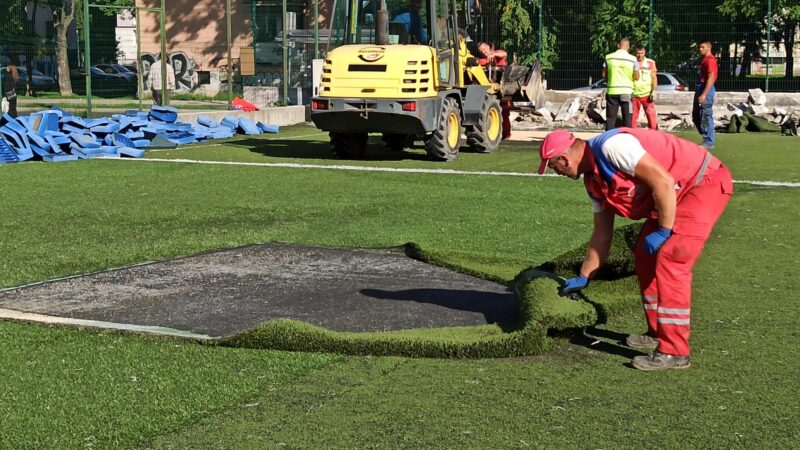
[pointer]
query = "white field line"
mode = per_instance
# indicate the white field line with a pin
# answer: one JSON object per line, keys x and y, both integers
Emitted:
{"x": 10, "y": 314}
{"x": 192, "y": 147}
{"x": 408, "y": 170}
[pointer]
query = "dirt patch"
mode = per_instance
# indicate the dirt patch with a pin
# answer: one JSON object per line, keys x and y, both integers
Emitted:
{"x": 226, "y": 292}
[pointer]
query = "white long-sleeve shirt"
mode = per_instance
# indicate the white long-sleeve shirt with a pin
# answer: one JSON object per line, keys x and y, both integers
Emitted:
{"x": 155, "y": 76}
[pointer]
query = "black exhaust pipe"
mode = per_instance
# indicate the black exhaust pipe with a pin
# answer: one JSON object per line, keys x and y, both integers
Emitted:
{"x": 382, "y": 25}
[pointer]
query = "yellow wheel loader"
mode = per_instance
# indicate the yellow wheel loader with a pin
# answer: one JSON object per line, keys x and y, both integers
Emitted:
{"x": 412, "y": 78}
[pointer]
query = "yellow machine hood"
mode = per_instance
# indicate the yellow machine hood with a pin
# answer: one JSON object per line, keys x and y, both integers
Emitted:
{"x": 379, "y": 71}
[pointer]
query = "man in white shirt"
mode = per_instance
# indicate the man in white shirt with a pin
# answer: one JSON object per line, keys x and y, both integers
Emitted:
{"x": 680, "y": 190}
{"x": 161, "y": 97}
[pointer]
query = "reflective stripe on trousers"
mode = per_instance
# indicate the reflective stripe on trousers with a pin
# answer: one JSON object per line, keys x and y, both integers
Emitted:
{"x": 665, "y": 279}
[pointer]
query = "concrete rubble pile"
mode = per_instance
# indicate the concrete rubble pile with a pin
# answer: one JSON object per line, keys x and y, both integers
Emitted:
{"x": 56, "y": 135}
{"x": 583, "y": 111}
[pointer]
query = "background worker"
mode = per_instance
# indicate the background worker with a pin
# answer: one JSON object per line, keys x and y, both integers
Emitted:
{"x": 159, "y": 93}
{"x": 703, "y": 107}
{"x": 644, "y": 88}
{"x": 9, "y": 83}
{"x": 412, "y": 21}
{"x": 679, "y": 188}
{"x": 620, "y": 71}
{"x": 497, "y": 58}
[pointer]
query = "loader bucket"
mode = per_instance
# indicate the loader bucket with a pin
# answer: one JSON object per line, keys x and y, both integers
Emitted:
{"x": 523, "y": 83}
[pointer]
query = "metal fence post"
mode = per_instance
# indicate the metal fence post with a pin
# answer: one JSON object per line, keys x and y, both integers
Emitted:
{"x": 230, "y": 45}
{"x": 539, "y": 32}
{"x": 163, "y": 34}
{"x": 285, "y": 53}
{"x": 769, "y": 36}
{"x": 87, "y": 58}
{"x": 316, "y": 29}
{"x": 139, "y": 81}
{"x": 650, "y": 32}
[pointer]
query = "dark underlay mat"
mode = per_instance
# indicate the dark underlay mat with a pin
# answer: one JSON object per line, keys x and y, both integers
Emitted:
{"x": 226, "y": 292}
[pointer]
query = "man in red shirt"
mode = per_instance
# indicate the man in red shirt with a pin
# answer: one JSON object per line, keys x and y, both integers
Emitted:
{"x": 680, "y": 189}
{"x": 703, "y": 107}
{"x": 496, "y": 58}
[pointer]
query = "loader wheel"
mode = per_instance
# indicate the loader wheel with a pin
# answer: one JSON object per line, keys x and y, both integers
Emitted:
{"x": 349, "y": 145}
{"x": 443, "y": 143}
{"x": 485, "y": 136}
{"x": 397, "y": 142}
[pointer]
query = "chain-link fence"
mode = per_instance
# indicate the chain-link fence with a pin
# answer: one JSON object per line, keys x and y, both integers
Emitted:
{"x": 220, "y": 49}
{"x": 755, "y": 41}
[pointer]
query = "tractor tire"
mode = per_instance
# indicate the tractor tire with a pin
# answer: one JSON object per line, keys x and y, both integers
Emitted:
{"x": 398, "y": 142}
{"x": 349, "y": 145}
{"x": 485, "y": 136}
{"x": 444, "y": 142}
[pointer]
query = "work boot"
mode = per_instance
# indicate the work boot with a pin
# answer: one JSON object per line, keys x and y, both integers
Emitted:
{"x": 641, "y": 341}
{"x": 660, "y": 361}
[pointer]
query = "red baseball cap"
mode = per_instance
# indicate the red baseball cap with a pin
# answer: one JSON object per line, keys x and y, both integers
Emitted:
{"x": 554, "y": 144}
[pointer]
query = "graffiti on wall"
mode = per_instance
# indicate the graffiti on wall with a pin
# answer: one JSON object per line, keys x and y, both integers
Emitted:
{"x": 186, "y": 79}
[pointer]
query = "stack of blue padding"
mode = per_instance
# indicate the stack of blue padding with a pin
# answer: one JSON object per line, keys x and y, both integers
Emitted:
{"x": 57, "y": 135}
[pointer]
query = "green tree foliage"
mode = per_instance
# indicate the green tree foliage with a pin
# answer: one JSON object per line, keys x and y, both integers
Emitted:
{"x": 616, "y": 19}
{"x": 518, "y": 32}
{"x": 784, "y": 17}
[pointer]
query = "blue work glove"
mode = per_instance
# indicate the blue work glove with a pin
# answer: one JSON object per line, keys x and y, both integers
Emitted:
{"x": 573, "y": 285}
{"x": 654, "y": 240}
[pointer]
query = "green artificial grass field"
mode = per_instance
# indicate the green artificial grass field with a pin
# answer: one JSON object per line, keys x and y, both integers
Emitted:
{"x": 68, "y": 388}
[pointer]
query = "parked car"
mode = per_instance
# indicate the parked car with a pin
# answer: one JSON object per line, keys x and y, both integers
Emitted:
{"x": 117, "y": 69}
{"x": 41, "y": 82}
{"x": 667, "y": 81}
{"x": 132, "y": 67}
{"x": 103, "y": 84}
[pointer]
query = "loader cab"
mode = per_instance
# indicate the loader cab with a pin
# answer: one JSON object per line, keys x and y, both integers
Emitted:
{"x": 433, "y": 23}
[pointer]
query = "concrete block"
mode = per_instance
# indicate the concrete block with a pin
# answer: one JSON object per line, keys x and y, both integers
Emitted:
{"x": 261, "y": 96}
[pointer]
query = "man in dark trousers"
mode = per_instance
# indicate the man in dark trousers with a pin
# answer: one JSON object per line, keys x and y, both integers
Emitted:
{"x": 703, "y": 107}
{"x": 10, "y": 79}
{"x": 620, "y": 71}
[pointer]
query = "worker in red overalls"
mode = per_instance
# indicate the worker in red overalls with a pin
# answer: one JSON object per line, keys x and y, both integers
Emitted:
{"x": 496, "y": 58}
{"x": 680, "y": 188}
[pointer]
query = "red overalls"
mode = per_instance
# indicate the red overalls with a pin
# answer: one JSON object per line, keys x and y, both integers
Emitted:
{"x": 505, "y": 105}
{"x": 703, "y": 186}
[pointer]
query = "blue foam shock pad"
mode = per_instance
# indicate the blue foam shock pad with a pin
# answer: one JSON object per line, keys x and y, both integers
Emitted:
{"x": 207, "y": 122}
{"x": 110, "y": 151}
{"x": 121, "y": 140}
{"x": 84, "y": 153}
{"x": 132, "y": 152}
{"x": 17, "y": 141}
{"x": 164, "y": 113}
{"x": 135, "y": 135}
{"x": 249, "y": 127}
{"x": 141, "y": 143}
{"x": 84, "y": 140}
{"x": 231, "y": 122}
{"x": 268, "y": 128}
{"x": 7, "y": 155}
{"x": 106, "y": 128}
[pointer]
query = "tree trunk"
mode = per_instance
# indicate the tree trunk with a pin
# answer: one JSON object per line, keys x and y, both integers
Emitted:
{"x": 788, "y": 44}
{"x": 62, "y": 19}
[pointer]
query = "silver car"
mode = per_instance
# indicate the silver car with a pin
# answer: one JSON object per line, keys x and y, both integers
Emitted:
{"x": 666, "y": 82}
